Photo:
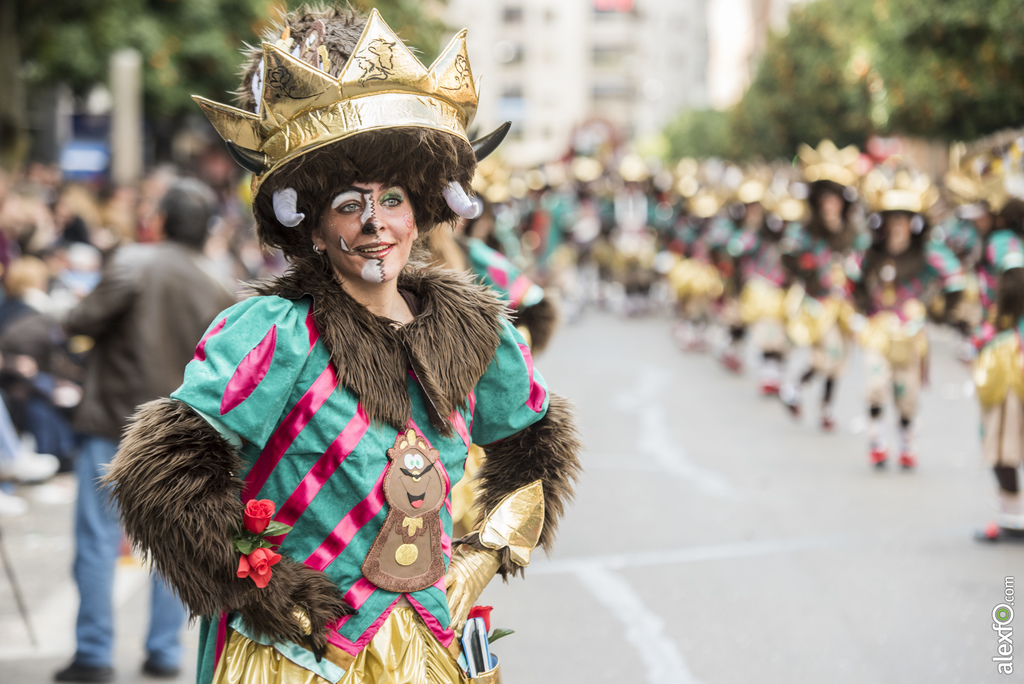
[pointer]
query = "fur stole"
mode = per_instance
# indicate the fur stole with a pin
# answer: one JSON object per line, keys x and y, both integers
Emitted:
{"x": 448, "y": 345}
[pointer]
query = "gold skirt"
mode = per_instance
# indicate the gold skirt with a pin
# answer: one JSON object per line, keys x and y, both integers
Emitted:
{"x": 403, "y": 651}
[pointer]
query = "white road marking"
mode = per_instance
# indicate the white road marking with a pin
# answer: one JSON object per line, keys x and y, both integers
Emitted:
{"x": 644, "y": 629}
{"x": 690, "y": 554}
{"x": 657, "y": 441}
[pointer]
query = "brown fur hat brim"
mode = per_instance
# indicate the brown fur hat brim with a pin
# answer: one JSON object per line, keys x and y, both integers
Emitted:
{"x": 175, "y": 485}
{"x": 547, "y": 451}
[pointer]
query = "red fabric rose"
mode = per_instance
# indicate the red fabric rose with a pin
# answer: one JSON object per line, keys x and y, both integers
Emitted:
{"x": 256, "y": 566}
{"x": 257, "y": 515}
{"x": 482, "y": 612}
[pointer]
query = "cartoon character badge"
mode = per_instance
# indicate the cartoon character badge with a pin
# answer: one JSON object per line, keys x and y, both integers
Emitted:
{"x": 406, "y": 555}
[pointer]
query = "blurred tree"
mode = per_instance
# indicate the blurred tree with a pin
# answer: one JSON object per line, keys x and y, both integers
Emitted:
{"x": 951, "y": 69}
{"x": 809, "y": 85}
{"x": 848, "y": 68}
{"x": 188, "y": 46}
{"x": 698, "y": 133}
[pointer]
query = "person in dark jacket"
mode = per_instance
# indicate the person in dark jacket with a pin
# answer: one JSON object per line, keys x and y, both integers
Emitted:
{"x": 150, "y": 308}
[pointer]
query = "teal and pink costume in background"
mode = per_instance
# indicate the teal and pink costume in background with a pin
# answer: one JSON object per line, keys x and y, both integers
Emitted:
{"x": 496, "y": 271}
{"x": 941, "y": 269}
{"x": 263, "y": 378}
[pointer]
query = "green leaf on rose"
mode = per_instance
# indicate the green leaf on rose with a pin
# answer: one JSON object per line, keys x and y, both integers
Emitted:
{"x": 498, "y": 633}
{"x": 275, "y": 529}
{"x": 245, "y": 546}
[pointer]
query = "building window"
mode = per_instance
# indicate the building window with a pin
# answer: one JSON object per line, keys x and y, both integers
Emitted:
{"x": 608, "y": 55}
{"x": 512, "y": 14}
{"x": 612, "y": 90}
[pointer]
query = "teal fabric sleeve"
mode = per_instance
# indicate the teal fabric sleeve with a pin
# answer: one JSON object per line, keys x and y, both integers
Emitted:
{"x": 511, "y": 395}
{"x": 246, "y": 366}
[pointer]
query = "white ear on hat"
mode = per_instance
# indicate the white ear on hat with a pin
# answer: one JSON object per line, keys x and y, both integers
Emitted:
{"x": 285, "y": 210}
{"x": 462, "y": 204}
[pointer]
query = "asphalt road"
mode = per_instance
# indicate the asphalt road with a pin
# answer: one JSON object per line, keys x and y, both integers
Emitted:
{"x": 713, "y": 540}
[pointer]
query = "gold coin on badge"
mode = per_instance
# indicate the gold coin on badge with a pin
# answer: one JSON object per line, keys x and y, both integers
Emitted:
{"x": 406, "y": 554}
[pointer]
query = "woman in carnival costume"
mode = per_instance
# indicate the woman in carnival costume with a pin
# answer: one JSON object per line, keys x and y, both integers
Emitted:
{"x": 901, "y": 270}
{"x": 999, "y": 378}
{"x": 985, "y": 230}
{"x": 756, "y": 251}
{"x": 294, "y": 491}
{"x": 819, "y": 254}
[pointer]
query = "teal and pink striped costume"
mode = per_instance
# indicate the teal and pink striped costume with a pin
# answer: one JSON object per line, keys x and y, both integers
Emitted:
{"x": 262, "y": 372}
{"x": 495, "y": 270}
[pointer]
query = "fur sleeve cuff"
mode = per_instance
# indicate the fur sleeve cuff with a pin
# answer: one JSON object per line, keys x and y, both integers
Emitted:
{"x": 548, "y": 451}
{"x": 175, "y": 484}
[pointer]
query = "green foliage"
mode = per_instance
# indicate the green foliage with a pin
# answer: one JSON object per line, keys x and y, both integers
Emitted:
{"x": 188, "y": 46}
{"x": 952, "y": 69}
{"x": 805, "y": 88}
{"x": 846, "y": 69}
{"x": 698, "y": 133}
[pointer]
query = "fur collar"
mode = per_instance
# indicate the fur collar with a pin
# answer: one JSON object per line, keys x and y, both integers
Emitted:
{"x": 448, "y": 345}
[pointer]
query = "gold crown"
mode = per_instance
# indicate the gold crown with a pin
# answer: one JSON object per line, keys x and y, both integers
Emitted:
{"x": 902, "y": 190}
{"x": 829, "y": 163}
{"x": 977, "y": 178}
{"x": 382, "y": 85}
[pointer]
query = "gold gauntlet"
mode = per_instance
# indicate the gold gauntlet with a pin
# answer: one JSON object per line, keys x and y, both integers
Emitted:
{"x": 515, "y": 523}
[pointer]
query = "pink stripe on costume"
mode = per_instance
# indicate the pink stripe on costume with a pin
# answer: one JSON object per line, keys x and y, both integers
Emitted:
{"x": 518, "y": 290}
{"x": 499, "y": 276}
{"x": 250, "y": 372}
{"x": 200, "y": 354}
{"x": 314, "y": 332}
{"x": 346, "y": 530}
{"x": 297, "y": 419}
{"x": 354, "y": 647}
{"x": 443, "y": 635}
{"x": 325, "y": 466}
{"x": 537, "y": 392}
{"x": 222, "y": 637}
{"x": 458, "y": 421}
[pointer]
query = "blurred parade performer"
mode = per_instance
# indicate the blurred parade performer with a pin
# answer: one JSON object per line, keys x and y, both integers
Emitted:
{"x": 534, "y": 313}
{"x": 999, "y": 379}
{"x": 717, "y": 240}
{"x": 985, "y": 230}
{"x": 755, "y": 249}
{"x": 295, "y": 489}
{"x": 901, "y": 269}
{"x": 818, "y": 256}
{"x": 146, "y": 314}
{"x": 694, "y": 280}
{"x": 633, "y": 240}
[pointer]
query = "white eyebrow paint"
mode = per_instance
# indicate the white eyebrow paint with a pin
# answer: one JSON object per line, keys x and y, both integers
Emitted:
{"x": 345, "y": 196}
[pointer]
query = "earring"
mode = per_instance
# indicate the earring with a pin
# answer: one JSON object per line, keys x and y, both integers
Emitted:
{"x": 318, "y": 250}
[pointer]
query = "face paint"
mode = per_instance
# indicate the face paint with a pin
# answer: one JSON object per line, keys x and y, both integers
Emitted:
{"x": 373, "y": 271}
{"x": 370, "y": 230}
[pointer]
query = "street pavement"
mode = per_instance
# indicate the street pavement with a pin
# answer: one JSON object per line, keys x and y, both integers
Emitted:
{"x": 714, "y": 539}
